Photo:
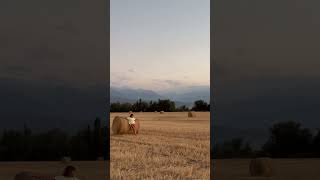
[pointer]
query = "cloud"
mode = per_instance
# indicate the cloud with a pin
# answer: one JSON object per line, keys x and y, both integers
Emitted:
{"x": 119, "y": 79}
{"x": 167, "y": 82}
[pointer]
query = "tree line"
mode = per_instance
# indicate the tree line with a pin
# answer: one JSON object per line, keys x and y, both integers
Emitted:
{"x": 160, "y": 105}
{"x": 286, "y": 140}
{"x": 88, "y": 143}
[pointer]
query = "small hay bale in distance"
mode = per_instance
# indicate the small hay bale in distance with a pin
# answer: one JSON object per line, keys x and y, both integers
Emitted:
{"x": 130, "y": 112}
{"x": 191, "y": 114}
{"x": 161, "y": 112}
{"x": 120, "y": 125}
{"x": 261, "y": 167}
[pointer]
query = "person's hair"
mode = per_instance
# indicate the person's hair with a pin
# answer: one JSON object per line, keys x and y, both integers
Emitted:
{"x": 68, "y": 171}
{"x": 131, "y": 115}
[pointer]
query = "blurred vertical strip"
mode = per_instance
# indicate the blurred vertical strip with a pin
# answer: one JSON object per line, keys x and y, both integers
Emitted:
{"x": 212, "y": 95}
{"x": 107, "y": 147}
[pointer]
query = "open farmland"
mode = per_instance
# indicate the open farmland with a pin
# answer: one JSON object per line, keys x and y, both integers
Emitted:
{"x": 168, "y": 146}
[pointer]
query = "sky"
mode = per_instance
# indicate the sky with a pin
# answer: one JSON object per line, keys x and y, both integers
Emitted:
{"x": 159, "y": 45}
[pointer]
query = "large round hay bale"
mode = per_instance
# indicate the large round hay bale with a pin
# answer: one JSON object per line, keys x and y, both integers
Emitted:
{"x": 161, "y": 112}
{"x": 120, "y": 125}
{"x": 191, "y": 114}
{"x": 261, "y": 167}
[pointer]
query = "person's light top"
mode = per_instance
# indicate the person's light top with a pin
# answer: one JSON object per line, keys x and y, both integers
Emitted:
{"x": 131, "y": 120}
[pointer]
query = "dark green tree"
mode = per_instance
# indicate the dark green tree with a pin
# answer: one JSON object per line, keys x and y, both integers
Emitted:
{"x": 288, "y": 138}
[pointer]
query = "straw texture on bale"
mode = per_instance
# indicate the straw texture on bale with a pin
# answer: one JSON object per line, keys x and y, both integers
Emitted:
{"x": 120, "y": 125}
{"x": 191, "y": 114}
{"x": 161, "y": 112}
{"x": 261, "y": 167}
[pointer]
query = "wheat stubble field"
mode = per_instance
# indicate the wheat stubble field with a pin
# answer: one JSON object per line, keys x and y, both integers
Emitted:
{"x": 169, "y": 146}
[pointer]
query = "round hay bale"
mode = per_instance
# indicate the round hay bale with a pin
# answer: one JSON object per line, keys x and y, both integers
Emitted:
{"x": 120, "y": 125}
{"x": 155, "y": 111}
{"x": 261, "y": 167}
{"x": 65, "y": 160}
{"x": 130, "y": 112}
{"x": 161, "y": 112}
{"x": 191, "y": 114}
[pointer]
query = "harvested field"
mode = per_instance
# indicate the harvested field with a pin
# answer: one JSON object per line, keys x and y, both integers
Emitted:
{"x": 169, "y": 146}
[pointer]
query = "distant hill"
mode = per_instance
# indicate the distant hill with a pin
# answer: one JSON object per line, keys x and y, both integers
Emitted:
{"x": 181, "y": 97}
{"x": 131, "y": 95}
{"x": 189, "y": 94}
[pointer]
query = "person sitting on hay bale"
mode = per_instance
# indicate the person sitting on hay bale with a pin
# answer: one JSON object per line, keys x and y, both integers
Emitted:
{"x": 132, "y": 123}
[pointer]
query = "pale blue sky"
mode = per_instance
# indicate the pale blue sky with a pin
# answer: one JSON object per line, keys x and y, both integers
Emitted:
{"x": 160, "y": 44}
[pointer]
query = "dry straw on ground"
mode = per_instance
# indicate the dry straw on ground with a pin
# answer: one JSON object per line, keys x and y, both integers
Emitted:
{"x": 191, "y": 114}
{"x": 120, "y": 125}
{"x": 261, "y": 167}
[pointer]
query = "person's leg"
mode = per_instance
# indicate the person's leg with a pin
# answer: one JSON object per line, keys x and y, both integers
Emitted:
{"x": 132, "y": 128}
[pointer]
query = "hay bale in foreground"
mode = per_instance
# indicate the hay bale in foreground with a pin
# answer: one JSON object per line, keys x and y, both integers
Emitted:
{"x": 191, "y": 114}
{"x": 161, "y": 112}
{"x": 261, "y": 167}
{"x": 120, "y": 125}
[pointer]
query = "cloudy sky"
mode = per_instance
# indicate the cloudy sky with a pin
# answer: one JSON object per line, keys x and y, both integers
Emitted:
{"x": 160, "y": 45}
